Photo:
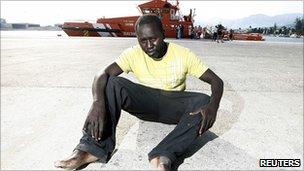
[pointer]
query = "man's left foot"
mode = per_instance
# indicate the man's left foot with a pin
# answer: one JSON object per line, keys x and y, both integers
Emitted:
{"x": 164, "y": 164}
{"x": 155, "y": 162}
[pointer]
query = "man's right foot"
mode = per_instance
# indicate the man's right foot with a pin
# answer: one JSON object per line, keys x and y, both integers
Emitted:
{"x": 77, "y": 159}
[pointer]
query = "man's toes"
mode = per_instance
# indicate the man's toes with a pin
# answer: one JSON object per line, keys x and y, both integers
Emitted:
{"x": 160, "y": 168}
{"x": 76, "y": 160}
{"x": 60, "y": 164}
{"x": 66, "y": 164}
{"x": 154, "y": 161}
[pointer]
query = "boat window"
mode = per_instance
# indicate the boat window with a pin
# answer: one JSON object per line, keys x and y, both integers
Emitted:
{"x": 146, "y": 11}
{"x": 129, "y": 24}
{"x": 158, "y": 11}
{"x": 172, "y": 12}
{"x": 173, "y": 15}
{"x": 165, "y": 10}
{"x": 167, "y": 6}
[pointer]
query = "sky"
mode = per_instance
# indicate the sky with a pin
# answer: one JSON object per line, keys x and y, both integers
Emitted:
{"x": 57, "y": 12}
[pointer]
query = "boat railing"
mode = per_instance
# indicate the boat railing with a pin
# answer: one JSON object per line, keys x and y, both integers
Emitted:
{"x": 80, "y": 20}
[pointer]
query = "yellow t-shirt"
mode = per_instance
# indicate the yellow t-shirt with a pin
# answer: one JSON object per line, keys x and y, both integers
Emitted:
{"x": 169, "y": 73}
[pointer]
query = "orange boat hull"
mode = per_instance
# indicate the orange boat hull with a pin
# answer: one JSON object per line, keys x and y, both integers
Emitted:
{"x": 248, "y": 36}
{"x": 245, "y": 36}
{"x": 113, "y": 27}
{"x": 124, "y": 26}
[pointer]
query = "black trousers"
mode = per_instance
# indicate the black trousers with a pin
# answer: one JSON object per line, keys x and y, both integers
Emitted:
{"x": 169, "y": 107}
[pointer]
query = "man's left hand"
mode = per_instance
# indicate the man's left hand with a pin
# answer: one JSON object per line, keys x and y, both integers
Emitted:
{"x": 208, "y": 117}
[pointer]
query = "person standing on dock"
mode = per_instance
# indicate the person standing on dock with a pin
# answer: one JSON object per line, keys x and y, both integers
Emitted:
{"x": 179, "y": 31}
{"x": 199, "y": 31}
{"x": 161, "y": 68}
{"x": 231, "y": 35}
{"x": 220, "y": 33}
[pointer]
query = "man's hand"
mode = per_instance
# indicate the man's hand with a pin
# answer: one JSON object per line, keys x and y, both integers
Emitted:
{"x": 209, "y": 112}
{"x": 208, "y": 117}
{"x": 95, "y": 121}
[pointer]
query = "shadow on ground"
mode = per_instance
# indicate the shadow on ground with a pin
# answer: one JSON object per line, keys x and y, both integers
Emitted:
{"x": 147, "y": 136}
{"x": 195, "y": 146}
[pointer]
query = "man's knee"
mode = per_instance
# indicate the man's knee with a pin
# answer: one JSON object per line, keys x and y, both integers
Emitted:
{"x": 200, "y": 100}
{"x": 114, "y": 81}
{"x": 117, "y": 83}
{"x": 203, "y": 98}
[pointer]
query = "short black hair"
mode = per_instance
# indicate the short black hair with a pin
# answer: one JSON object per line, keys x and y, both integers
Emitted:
{"x": 147, "y": 19}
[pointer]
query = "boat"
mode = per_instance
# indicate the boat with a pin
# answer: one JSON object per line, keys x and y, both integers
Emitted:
{"x": 244, "y": 36}
{"x": 124, "y": 26}
{"x": 236, "y": 35}
{"x": 248, "y": 36}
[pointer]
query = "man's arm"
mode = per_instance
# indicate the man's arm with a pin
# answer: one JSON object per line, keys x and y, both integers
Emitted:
{"x": 217, "y": 86}
{"x": 209, "y": 111}
{"x": 95, "y": 120}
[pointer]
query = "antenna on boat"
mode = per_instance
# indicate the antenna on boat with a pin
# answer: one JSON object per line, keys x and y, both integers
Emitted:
{"x": 193, "y": 15}
{"x": 177, "y": 8}
{"x": 139, "y": 10}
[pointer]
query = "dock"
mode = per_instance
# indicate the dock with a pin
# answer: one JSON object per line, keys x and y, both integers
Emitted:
{"x": 46, "y": 95}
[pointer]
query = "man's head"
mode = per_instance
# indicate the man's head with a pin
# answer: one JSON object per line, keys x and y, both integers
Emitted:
{"x": 151, "y": 35}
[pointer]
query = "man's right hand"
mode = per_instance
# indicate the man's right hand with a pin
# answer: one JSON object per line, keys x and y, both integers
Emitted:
{"x": 94, "y": 123}
{"x": 95, "y": 120}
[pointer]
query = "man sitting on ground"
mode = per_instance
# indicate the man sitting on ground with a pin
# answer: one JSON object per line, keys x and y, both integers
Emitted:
{"x": 161, "y": 69}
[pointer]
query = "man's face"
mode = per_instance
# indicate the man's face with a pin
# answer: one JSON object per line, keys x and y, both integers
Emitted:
{"x": 151, "y": 40}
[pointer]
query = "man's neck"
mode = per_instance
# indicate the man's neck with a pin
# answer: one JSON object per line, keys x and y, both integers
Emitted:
{"x": 163, "y": 51}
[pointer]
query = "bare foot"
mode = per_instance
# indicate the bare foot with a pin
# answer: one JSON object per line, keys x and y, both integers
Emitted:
{"x": 77, "y": 159}
{"x": 155, "y": 162}
{"x": 160, "y": 168}
{"x": 162, "y": 163}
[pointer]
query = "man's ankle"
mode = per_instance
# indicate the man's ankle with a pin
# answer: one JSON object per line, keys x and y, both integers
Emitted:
{"x": 165, "y": 163}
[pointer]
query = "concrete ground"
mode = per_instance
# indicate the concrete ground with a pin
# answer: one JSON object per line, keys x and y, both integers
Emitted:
{"x": 46, "y": 94}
